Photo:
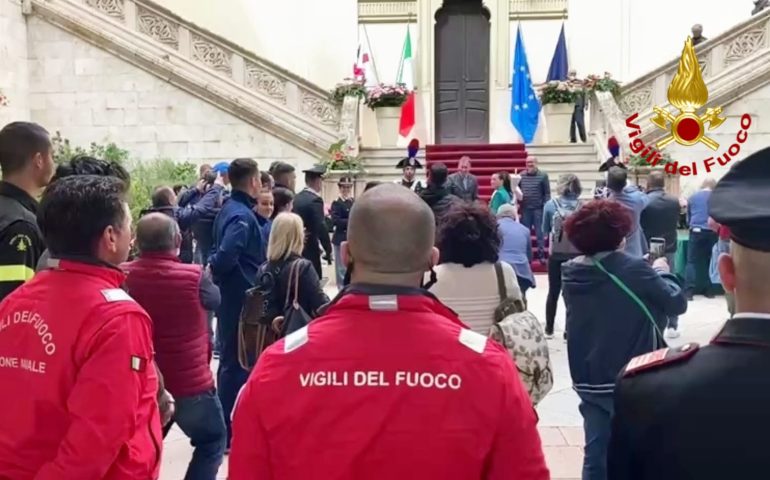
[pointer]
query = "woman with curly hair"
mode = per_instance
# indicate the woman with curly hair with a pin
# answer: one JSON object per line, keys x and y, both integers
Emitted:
{"x": 617, "y": 307}
{"x": 468, "y": 240}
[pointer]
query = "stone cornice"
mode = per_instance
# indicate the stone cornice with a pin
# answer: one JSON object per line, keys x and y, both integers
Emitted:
{"x": 402, "y": 11}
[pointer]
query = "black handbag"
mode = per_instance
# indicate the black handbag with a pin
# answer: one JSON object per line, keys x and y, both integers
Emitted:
{"x": 294, "y": 316}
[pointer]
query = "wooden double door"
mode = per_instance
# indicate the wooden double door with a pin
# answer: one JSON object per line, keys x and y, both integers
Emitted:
{"x": 462, "y": 32}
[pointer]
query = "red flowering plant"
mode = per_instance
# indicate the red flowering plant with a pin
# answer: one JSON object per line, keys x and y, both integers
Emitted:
{"x": 342, "y": 157}
{"x": 384, "y": 95}
{"x": 3, "y": 99}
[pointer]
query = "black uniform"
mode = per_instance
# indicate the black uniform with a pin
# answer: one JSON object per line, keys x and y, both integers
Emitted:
{"x": 702, "y": 413}
{"x": 340, "y": 213}
{"x": 21, "y": 242}
{"x": 310, "y": 206}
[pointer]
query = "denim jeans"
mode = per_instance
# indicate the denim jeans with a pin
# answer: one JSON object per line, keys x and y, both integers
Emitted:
{"x": 200, "y": 418}
{"x": 339, "y": 267}
{"x": 597, "y": 410}
{"x": 533, "y": 219}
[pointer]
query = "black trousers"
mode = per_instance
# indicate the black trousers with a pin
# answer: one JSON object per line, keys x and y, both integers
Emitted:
{"x": 578, "y": 118}
{"x": 698, "y": 257}
{"x": 555, "y": 262}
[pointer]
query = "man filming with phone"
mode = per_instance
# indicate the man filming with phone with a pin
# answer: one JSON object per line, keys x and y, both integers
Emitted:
{"x": 659, "y": 221}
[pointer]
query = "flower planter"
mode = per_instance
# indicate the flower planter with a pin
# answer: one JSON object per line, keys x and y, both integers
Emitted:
{"x": 638, "y": 175}
{"x": 557, "y": 120}
{"x": 387, "y": 125}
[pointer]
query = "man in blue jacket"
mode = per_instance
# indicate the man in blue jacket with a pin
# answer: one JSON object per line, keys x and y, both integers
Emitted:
{"x": 208, "y": 196}
{"x": 239, "y": 250}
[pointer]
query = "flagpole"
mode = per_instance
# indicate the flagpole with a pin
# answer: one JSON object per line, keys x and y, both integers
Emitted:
{"x": 371, "y": 52}
{"x": 403, "y": 50}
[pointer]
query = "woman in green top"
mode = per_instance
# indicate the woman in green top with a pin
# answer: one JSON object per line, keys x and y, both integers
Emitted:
{"x": 503, "y": 194}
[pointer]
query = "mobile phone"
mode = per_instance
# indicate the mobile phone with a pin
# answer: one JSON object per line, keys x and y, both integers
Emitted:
{"x": 657, "y": 248}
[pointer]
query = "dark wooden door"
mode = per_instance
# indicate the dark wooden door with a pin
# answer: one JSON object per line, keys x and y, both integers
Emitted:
{"x": 462, "y": 72}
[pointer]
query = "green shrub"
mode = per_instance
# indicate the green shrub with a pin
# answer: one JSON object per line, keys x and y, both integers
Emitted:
{"x": 145, "y": 176}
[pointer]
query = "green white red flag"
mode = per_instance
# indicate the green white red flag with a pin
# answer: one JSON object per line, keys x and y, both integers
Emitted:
{"x": 406, "y": 77}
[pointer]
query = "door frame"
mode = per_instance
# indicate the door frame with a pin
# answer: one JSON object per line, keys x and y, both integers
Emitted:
{"x": 499, "y": 62}
{"x": 460, "y": 7}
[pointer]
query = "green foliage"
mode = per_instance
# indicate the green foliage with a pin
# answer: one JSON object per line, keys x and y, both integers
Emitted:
{"x": 145, "y": 176}
{"x": 341, "y": 158}
{"x": 557, "y": 92}
{"x": 348, "y": 87}
{"x": 636, "y": 160}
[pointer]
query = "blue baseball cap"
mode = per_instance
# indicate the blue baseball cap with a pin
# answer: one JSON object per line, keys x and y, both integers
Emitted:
{"x": 221, "y": 167}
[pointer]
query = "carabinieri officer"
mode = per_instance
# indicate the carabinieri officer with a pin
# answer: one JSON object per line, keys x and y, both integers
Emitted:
{"x": 701, "y": 413}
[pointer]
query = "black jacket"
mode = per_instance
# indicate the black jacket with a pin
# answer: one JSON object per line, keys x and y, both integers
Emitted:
{"x": 660, "y": 218}
{"x": 21, "y": 242}
{"x": 340, "y": 212}
{"x": 697, "y": 413}
{"x": 310, "y": 207}
{"x": 311, "y": 296}
{"x": 439, "y": 199}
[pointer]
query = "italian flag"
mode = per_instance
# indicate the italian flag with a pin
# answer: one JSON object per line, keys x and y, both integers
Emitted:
{"x": 406, "y": 77}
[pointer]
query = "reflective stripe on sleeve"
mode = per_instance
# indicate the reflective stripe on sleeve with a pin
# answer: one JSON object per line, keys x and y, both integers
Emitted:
{"x": 15, "y": 273}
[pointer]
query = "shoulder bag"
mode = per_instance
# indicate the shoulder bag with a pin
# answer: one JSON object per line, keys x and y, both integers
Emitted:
{"x": 294, "y": 316}
{"x": 255, "y": 332}
{"x": 519, "y": 331}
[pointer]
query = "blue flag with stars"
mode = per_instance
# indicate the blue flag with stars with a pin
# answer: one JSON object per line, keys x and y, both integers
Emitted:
{"x": 525, "y": 106}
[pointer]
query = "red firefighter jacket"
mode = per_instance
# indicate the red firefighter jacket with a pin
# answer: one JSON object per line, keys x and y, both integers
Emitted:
{"x": 387, "y": 384}
{"x": 76, "y": 367}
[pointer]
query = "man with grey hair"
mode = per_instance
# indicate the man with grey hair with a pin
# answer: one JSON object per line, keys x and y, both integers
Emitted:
{"x": 697, "y": 34}
{"x": 464, "y": 184}
{"x": 386, "y": 353}
{"x": 177, "y": 296}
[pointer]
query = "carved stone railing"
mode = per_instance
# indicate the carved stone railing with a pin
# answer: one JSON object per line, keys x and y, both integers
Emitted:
{"x": 203, "y": 63}
{"x": 733, "y": 64}
{"x": 717, "y": 56}
{"x": 606, "y": 121}
{"x": 400, "y": 11}
{"x": 538, "y": 9}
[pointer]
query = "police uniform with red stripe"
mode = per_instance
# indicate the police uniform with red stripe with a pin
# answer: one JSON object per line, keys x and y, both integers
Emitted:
{"x": 78, "y": 379}
{"x": 702, "y": 413}
{"x": 387, "y": 384}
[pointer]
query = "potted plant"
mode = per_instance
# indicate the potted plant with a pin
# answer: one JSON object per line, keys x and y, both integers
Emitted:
{"x": 3, "y": 99}
{"x": 386, "y": 101}
{"x": 558, "y": 100}
{"x": 639, "y": 170}
{"x": 342, "y": 159}
{"x": 596, "y": 83}
{"x": 348, "y": 87}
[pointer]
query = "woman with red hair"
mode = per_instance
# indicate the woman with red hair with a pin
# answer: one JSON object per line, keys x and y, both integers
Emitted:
{"x": 617, "y": 307}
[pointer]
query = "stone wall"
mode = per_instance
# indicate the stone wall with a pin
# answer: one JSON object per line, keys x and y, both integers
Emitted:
{"x": 90, "y": 95}
{"x": 13, "y": 62}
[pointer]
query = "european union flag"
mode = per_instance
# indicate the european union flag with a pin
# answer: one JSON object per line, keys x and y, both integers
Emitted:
{"x": 559, "y": 62}
{"x": 525, "y": 106}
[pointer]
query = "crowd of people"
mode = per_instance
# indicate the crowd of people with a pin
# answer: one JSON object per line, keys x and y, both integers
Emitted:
{"x": 106, "y": 334}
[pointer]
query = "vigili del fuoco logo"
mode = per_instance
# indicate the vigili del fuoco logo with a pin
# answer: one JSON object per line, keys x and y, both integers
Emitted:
{"x": 688, "y": 94}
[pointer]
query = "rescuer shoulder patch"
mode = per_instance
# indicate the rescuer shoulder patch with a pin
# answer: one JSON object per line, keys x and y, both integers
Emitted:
{"x": 475, "y": 341}
{"x": 295, "y": 340}
{"x": 138, "y": 364}
{"x": 116, "y": 295}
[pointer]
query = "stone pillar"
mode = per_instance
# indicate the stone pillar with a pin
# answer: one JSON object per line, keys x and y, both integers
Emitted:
{"x": 14, "y": 74}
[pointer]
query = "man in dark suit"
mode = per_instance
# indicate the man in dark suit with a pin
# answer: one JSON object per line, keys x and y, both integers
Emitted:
{"x": 463, "y": 183}
{"x": 701, "y": 413}
{"x": 578, "y": 119}
{"x": 659, "y": 219}
{"x": 309, "y": 205}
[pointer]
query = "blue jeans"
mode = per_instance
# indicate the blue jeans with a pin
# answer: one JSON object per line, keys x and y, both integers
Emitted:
{"x": 200, "y": 418}
{"x": 230, "y": 375}
{"x": 339, "y": 267}
{"x": 533, "y": 219}
{"x": 596, "y": 409}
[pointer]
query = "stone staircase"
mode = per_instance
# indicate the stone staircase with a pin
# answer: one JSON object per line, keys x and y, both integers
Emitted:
{"x": 203, "y": 64}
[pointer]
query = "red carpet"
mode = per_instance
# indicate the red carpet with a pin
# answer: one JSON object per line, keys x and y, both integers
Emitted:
{"x": 485, "y": 160}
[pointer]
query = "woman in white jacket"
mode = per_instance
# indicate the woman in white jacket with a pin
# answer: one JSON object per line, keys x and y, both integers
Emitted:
{"x": 466, "y": 280}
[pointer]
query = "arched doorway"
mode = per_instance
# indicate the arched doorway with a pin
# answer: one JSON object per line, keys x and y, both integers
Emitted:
{"x": 462, "y": 72}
